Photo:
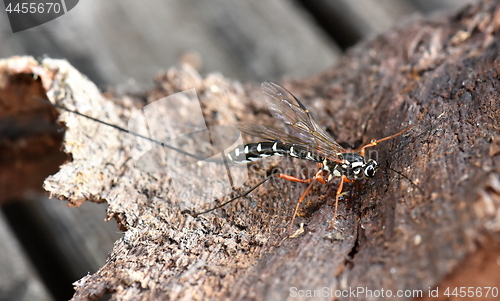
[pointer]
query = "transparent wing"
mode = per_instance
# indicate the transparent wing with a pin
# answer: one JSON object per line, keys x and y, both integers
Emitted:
{"x": 304, "y": 130}
{"x": 270, "y": 133}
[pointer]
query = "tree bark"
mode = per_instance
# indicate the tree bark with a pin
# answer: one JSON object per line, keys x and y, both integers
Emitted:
{"x": 433, "y": 205}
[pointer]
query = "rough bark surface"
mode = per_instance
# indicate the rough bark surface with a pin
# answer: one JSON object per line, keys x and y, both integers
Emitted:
{"x": 434, "y": 201}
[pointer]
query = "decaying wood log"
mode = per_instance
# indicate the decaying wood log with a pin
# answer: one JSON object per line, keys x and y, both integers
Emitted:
{"x": 30, "y": 140}
{"x": 434, "y": 203}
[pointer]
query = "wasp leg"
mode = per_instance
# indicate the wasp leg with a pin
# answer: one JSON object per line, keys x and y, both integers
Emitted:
{"x": 343, "y": 180}
{"x": 318, "y": 177}
{"x": 297, "y": 208}
{"x": 294, "y": 179}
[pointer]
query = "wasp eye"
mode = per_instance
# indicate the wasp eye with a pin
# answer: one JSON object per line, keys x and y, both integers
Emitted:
{"x": 369, "y": 171}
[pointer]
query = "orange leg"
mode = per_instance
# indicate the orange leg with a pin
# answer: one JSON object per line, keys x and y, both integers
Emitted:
{"x": 374, "y": 142}
{"x": 318, "y": 176}
{"x": 297, "y": 208}
{"x": 294, "y": 179}
{"x": 339, "y": 191}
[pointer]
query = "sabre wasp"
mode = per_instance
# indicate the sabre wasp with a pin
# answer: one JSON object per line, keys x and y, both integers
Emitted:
{"x": 305, "y": 140}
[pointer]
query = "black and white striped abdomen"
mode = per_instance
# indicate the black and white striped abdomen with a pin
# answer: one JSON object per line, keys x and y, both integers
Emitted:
{"x": 255, "y": 151}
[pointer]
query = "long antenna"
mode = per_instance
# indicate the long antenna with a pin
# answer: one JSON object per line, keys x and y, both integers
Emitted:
{"x": 196, "y": 214}
{"x": 432, "y": 127}
{"x": 193, "y": 213}
{"x": 403, "y": 146}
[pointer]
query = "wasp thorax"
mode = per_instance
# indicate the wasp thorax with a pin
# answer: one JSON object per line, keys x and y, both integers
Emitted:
{"x": 355, "y": 167}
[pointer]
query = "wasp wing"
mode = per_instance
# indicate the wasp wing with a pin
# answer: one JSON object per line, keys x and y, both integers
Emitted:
{"x": 272, "y": 134}
{"x": 304, "y": 129}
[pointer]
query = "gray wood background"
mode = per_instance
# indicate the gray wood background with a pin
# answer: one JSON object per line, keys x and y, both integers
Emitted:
{"x": 123, "y": 44}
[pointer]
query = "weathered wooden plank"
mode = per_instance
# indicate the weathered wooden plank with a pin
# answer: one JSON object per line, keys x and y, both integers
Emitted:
{"x": 349, "y": 22}
{"x": 430, "y": 6}
{"x": 18, "y": 279}
{"x": 129, "y": 41}
{"x": 114, "y": 42}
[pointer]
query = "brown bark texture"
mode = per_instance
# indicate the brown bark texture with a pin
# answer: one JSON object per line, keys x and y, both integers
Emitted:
{"x": 434, "y": 202}
{"x": 29, "y": 138}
